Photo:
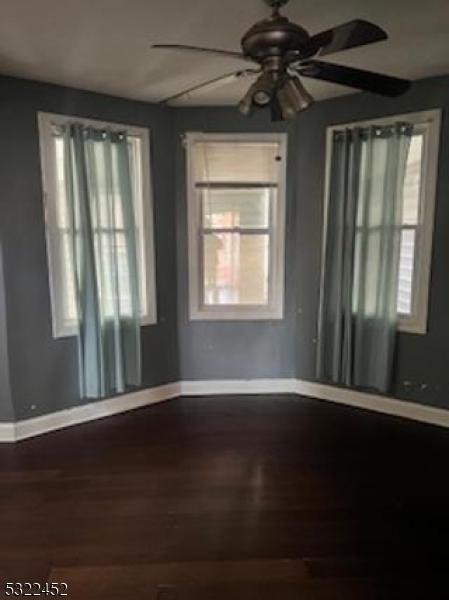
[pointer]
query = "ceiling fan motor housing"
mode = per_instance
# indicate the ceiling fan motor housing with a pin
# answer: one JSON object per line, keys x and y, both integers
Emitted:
{"x": 285, "y": 54}
{"x": 275, "y": 36}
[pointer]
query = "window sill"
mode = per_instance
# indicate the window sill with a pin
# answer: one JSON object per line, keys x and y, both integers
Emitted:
{"x": 414, "y": 327}
{"x": 72, "y": 331}
{"x": 226, "y": 314}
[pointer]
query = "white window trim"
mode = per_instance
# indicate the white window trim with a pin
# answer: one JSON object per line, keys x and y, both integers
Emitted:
{"x": 428, "y": 121}
{"x": 275, "y": 309}
{"x": 60, "y": 327}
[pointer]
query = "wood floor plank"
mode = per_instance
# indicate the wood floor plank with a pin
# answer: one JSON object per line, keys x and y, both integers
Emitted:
{"x": 210, "y": 498}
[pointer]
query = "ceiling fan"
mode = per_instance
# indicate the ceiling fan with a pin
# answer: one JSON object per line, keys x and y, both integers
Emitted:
{"x": 284, "y": 53}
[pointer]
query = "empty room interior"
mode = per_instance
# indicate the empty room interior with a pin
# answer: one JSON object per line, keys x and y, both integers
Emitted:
{"x": 224, "y": 323}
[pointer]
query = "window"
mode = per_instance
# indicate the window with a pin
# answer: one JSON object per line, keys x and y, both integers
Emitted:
{"x": 417, "y": 216}
{"x": 236, "y": 221}
{"x": 61, "y": 269}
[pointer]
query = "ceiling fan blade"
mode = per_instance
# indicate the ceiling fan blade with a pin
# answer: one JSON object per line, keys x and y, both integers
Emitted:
{"x": 355, "y": 78}
{"x": 182, "y": 47}
{"x": 348, "y": 35}
{"x": 216, "y": 80}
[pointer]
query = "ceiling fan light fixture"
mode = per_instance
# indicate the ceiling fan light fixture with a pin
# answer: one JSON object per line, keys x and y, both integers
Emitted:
{"x": 293, "y": 97}
{"x": 245, "y": 105}
{"x": 262, "y": 97}
{"x": 297, "y": 93}
{"x": 288, "y": 109}
{"x": 263, "y": 90}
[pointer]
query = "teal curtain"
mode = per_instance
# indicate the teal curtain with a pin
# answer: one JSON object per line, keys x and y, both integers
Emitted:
{"x": 99, "y": 195}
{"x": 358, "y": 306}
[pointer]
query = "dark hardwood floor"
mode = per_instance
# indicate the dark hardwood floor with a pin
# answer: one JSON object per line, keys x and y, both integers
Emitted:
{"x": 230, "y": 498}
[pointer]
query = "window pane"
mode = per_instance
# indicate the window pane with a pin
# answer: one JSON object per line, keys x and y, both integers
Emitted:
{"x": 111, "y": 252}
{"x": 406, "y": 265}
{"x": 373, "y": 166}
{"x": 114, "y": 280}
{"x": 368, "y": 244}
{"x": 236, "y": 268}
{"x": 68, "y": 276}
{"x": 135, "y": 155}
{"x": 236, "y": 161}
{"x": 412, "y": 181}
{"x": 245, "y": 208}
{"x": 367, "y": 281}
{"x": 62, "y": 214}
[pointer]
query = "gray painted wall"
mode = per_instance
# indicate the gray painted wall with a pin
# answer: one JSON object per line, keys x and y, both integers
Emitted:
{"x": 287, "y": 348}
{"x": 6, "y": 408}
{"x": 43, "y": 371}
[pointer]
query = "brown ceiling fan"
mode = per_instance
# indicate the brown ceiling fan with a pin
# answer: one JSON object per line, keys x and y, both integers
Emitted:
{"x": 284, "y": 53}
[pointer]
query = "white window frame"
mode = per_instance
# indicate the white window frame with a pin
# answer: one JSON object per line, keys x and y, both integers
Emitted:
{"x": 427, "y": 122}
{"x": 274, "y": 310}
{"x": 46, "y": 121}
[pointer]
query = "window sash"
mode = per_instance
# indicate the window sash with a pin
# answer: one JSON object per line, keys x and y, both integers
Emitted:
{"x": 69, "y": 295}
{"x": 237, "y": 231}
{"x": 240, "y": 231}
{"x": 232, "y": 305}
{"x": 273, "y": 308}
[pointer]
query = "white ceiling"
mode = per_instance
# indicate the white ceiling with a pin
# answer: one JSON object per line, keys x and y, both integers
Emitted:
{"x": 104, "y": 45}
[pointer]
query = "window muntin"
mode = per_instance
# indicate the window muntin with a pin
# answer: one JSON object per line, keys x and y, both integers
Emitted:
{"x": 237, "y": 209}
{"x": 61, "y": 268}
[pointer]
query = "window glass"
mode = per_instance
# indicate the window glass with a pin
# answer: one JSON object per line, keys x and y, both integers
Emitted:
{"x": 235, "y": 268}
{"x": 410, "y": 223}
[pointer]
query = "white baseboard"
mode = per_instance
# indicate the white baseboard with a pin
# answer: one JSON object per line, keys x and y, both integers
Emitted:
{"x": 319, "y": 391}
{"x": 7, "y": 432}
{"x": 218, "y": 387}
{"x": 11, "y": 432}
{"x": 20, "y": 430}
{"x": 374, "y": 402}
